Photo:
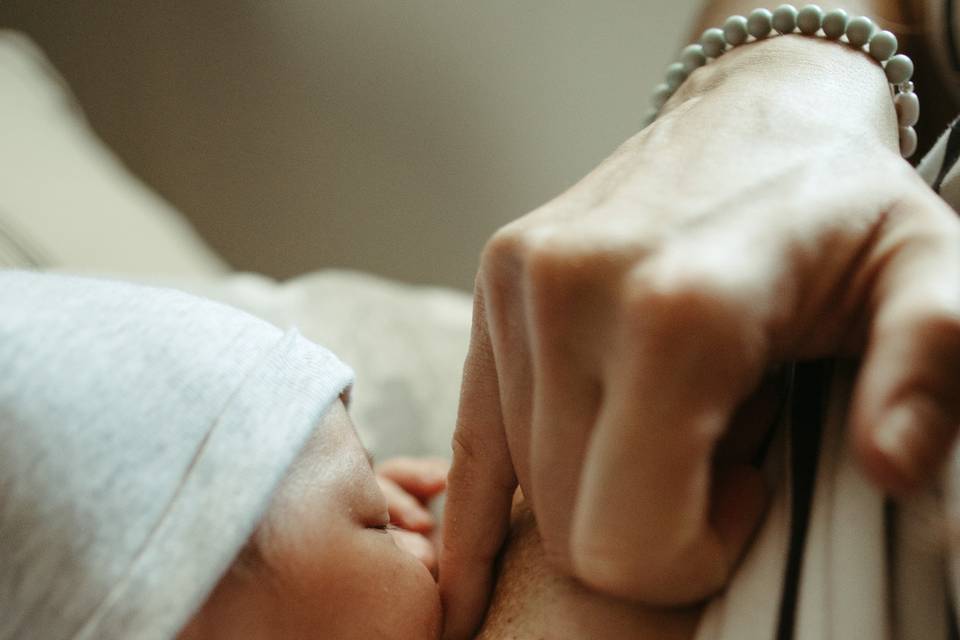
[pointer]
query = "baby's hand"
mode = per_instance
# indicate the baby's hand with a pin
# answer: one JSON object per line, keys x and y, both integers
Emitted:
{"x": 409, "y": 484}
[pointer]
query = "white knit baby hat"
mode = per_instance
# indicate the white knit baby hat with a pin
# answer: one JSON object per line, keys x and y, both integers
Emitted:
{"x": 142, "y": 433}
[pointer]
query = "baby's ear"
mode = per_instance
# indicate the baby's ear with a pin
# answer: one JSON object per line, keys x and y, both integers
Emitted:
{"x": 421, "y": 477}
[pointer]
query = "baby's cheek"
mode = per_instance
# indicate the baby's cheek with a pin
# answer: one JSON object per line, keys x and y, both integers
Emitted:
{"x": 361, "y": 585}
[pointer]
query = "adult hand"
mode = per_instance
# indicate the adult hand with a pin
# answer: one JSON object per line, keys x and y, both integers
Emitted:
{"x": 621, "y": 329}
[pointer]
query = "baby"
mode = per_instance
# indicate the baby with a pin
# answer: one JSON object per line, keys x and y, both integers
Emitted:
{"x": 325, "y": 561}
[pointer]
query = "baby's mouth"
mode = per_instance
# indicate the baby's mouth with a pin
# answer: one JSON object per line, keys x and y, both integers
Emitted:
{"x": 418, "y": 546}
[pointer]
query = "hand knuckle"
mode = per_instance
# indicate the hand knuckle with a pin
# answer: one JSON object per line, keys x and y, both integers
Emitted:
{"x": 614, "y": 573}
{"x": 661, "y": 575}
{"x": 548, "y": 258}
{"x": 504, "y": 243}
{"x": 502, "y": 257}
{"x": 675, "y": 299}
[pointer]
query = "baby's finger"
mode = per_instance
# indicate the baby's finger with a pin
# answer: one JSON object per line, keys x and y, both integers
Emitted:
{"x": 418, "y": 545}
{"x": 422, "y": 477}
{"x": 405, "y": 510}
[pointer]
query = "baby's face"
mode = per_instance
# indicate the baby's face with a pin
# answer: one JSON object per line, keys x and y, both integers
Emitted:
{"x": 322, "y": 564}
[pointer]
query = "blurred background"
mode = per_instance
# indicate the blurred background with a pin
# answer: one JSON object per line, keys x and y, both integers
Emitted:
{"x": 390, "y": 137}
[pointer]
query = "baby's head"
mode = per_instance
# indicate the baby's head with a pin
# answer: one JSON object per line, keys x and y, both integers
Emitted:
{"x": 322, "y": 563}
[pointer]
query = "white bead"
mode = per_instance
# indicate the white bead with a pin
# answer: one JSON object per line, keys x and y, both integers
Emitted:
{"x": 735, "y": 30}
{"x": 908, "y": 109}
{"x": 883, "y": 44}
{"x": 661, "y": 93}
{"x": 784, "y": 18}
{"x": 809, "y": 19}
{"x": 760, "y": 23}
{"x": 859, "y": 31}
{"x": 675, "y": 75}
{"x": 834, "y": 24}
{"x": 713, "y": 42}
{"x": 908, "y": 141}
{"x": 899, "y": 69}
{"x": 692, "y": 57}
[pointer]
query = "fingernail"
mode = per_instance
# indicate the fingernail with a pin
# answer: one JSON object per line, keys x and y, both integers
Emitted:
{"x": 900, "y": 438}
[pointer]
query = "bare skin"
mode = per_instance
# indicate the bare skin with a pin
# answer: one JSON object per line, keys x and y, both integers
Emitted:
{"x": 532, "y": 599}
{"x": 323, "y": 563}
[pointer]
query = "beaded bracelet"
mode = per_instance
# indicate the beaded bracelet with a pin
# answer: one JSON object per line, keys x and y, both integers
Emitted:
{"x": 860, "y": 33}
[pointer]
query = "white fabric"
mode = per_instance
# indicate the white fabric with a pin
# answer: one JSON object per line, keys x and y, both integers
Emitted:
{"x": 843, "y": 582}
{"x": 406, "y": 344}
{"x": 143, "y": 431}
{"x": 846, "y": 568}
{"x": 865, "y": 574}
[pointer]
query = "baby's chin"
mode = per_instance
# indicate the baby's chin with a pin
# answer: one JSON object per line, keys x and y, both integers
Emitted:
{"x": 428, "y": 617}
{"x": 412, "y": 596}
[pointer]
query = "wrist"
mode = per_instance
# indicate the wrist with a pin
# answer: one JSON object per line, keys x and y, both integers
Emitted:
{"x": 791, "y": 87}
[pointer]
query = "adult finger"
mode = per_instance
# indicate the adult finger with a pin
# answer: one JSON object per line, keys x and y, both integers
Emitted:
{"x": 479, "y": 490}
{"x": 422, "y": 477}
{"x": 646, "y": 523}
{"x": 906, "y": 406}
{"x": 566, "y": 409}
{"x": 569, "y": 307}
{"x": 404, "y": 509}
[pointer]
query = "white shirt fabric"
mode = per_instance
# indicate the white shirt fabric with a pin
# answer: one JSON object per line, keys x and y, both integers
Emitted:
{"x": 834, "y": 558}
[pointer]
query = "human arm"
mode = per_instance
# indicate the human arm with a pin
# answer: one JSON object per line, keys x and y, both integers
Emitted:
{"x": 619, "y": 329}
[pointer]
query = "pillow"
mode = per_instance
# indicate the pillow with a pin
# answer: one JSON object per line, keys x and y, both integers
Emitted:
{"x": 406, "y": 345}
{"x": 68, "y": 204}
{"x": 65, "y": 200}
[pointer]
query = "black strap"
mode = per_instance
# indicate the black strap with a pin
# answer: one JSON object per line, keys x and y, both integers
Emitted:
{"x": 950, "y": 155}
{"x": 807, "y": 413}
{"x": 949, "y": 35}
